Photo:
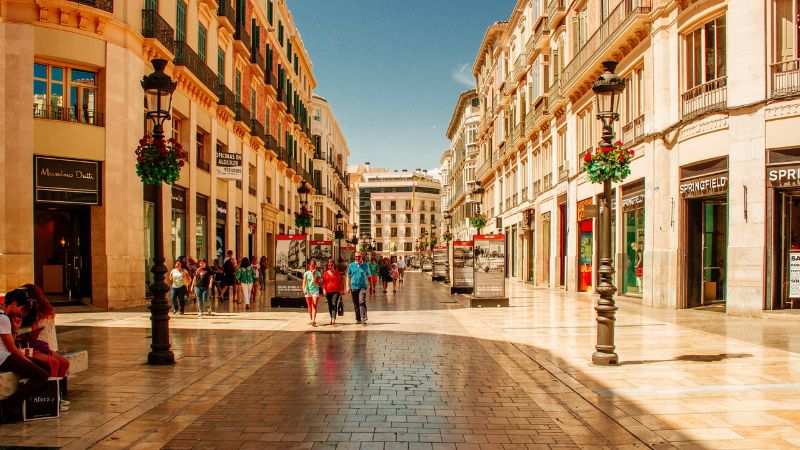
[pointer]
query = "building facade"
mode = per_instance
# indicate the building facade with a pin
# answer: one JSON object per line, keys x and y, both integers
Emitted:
{"x": 398, "y": 210}
{"x": 331, "y": 191}
{"x": 706, "y": 218}
{"x": 458, "y": 165}
{"x": 77, "y": 220}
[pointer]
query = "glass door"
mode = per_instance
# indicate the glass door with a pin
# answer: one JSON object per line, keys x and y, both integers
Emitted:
{"x": 790, "y": 251}
{"x": 715, "y": 246}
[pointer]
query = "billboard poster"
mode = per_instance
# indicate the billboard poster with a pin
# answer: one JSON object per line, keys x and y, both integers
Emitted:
{"x": 794, "y": 274}
{"x": 347, "y": 253}
{"x": 229, "y": 166}
{"x": 290, "y": 254}
{"x": 321, "y": 252}
{"x": 489, "y": 251}
{"x": 463, "y": 275}
{"x": 439, "y": 262}
{"x": 426, "y": 260}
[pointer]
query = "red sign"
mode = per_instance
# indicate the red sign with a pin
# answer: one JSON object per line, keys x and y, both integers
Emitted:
{"x": 443, "y": 247}
{"x": 489, "y": 237}
{"x": 321, "y": 242}
{"x": 344, "y": 248}
{"x": 290, "y": 237}
{"x": 462, "y": 243}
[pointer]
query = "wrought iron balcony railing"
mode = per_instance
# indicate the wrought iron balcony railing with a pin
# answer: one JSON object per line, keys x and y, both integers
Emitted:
{"x": 785, "y": 78}
{"x": 185, "y": 56}
{"x": 707, "y": 97}
{"x": 105, "y": 5}
{"x": 154, "y": 26}
{"x": 225, "y": 97}
{"x": 68, "y": 114}
{"x": 225, "y": 11}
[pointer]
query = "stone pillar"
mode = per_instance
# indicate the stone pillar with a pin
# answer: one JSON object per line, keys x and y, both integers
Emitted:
{"x": 212, "y": 199}
{"x": 191, "y": 191}
{"x": 261, "y": 232}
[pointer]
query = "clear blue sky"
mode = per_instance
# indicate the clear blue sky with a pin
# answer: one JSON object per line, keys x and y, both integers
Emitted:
{"x": 393, "y": 71}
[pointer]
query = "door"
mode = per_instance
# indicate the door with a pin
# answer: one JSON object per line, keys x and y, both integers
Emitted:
{"x": 693, "y": 253}
{"x": 62, "y": 252}
{"x": 715, "y": 249}
{"x": 220, "y": 242}
{"x": 562, "y": 245}
{"x": 787, "y": 265}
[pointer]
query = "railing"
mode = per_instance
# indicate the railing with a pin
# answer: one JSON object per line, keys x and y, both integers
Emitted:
{"x": 271, "y": 143}
{"x": 581, "y": 155}
{"x": 508, "y": 203}
{"x": 251, "y": 190}
{"x": 554, "y": 94}
{"x": 519, "y": 133}
{"x": 530, "y": 46}
{"x": 563, "y": 174}
{"x": 257, "y": 58}
{"x": 282, "y": 156}
{"x": 514, "y": 200}
{"x": 705, "y": 98}
{"x": 256, "y": 128}
{"x": 242, "y": 114}
{"x": 536, "y": 189}
{"x": 68, "y": 114}
{"x": 518, "y": 66}
{"x": 225, "y": 97}
{"x": 529, "y": 122}
{"x": 225, "y": 10}
{"x": 525, "y": 194}
{"x": 553, "y": 8}
{"x": 540, "y": 30}
{"x": 614, "y": 24}
{"x": 548, "y": 182}
{"x": 105, "y": 5}
{"x": 185, "y": 56}
{"x": 785, "y": 78}
{"x": 240, "y": 34}
{"x": 483, "y": 168}
{"x": 633, "y": 131}
{"x": 154, "y": 26}
{"x": 269, "y": 78}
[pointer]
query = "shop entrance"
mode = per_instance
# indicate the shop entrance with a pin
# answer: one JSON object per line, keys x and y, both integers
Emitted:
{"x": 62, "y": 252}
{"x": 706, "y": 252}
{"x": 220, "y": 242}
{"x": 788, "y": 265}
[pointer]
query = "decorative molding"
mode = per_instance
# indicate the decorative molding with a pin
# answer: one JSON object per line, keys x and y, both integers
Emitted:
{"x": 64, "y": 18}
{"x": 83, "y": 21}
{"x": 777, "y": 111}
{"x": 43, "y": 13}
{"x": 705, "y": 126}
{"x": 101, "y": 26}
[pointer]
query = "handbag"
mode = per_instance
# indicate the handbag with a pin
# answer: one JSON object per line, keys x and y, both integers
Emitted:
{"x": 341, "y": 307}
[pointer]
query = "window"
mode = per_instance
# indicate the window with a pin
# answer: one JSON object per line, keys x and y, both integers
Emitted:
{"x": 562, "y": 151}
{"x": 422, "y": 218}
{"x": 180, "y": 21}
{"x": 316, "y": 114}
{"x": 221, "y": 66}
{"x": 393, "y": 205}
{"x": 268, "y": 187}
{"x": 57, "y": 86}
{"x": 378, "y": 232}
{"x": 408, "y": 232}
{"x": 377, "y": 218}
{"x": 203, "y": 156}
{"x": 378, "y": 205}
{"x": 177, "y": 124}
{"x": 269, "y": 11}
{"x": 433, "y": 219}
{"x": 408, "y": 208}
{"x": 408, "y": 217}
{"x": 705, "y": 53}
{"x": 201, "y": 42}
{"x": 318, "y": 214}
{"x": 251, "y": 179}
{"x": 422, "y": 231}
{"x": 393, "y": 218}
{"x": 586, "y": 122}
{"x": 408, "y": 247}
{"x": 380, "y": 246}
{"x": 280, "y": 32}
{"x": 580, "y": 29}
{"x": 393, "y": 232}
{"x": 237, "y": 83}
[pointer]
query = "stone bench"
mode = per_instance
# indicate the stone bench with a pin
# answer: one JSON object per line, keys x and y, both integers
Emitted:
{"x": 78, "y": 362}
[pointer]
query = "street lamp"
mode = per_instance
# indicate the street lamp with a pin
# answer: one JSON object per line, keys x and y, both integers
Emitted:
{"x": 607, "y": 90}
{"x": 303, "y": 190}
{"x": 478, "y": 190}
{"x": 339, "y": 232}
{"x": 158, "y": 88}
{"x": 447, "y": 218}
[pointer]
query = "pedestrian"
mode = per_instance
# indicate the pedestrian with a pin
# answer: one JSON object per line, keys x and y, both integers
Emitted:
{"x": 332, "y": 289}
{"x": 394, "y": 272}
{"x": 201, "y": 284}
{"x": 179, "y": 278}
{"x": 373, "y": 278}
{"x": 263, "y": 273}
{"x": 245, "y": 276}
{"x": 311, "y": 282}
{"x": 357, "y": 274}
{"x": 401, "y": 267}
{"x": 216, "y": 285}
{"x": 383, "y": 272}
{"x": 228, "y": 277}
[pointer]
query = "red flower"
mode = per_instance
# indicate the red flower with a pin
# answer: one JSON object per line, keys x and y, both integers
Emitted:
{"x": 605, "y": 149}
{"x": 630, "y": 152}
{"x": 162, "y": 151}
{"x": 621, "y": 157}
{"x": 139, "y": 158}
{"x": 618, "y": 143}
{"x": 587, "y": 157}
{"x": 181, "y": 163}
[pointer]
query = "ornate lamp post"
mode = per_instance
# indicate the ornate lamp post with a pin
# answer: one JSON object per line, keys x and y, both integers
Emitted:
{"x": 303, "y": 190}
{"x": 447, "y": 218}
{"x": 607, "y": 89}
{"x": 478, "y": 190}
{"x": 158, "y": 88}
{"x": 339, "y": 231}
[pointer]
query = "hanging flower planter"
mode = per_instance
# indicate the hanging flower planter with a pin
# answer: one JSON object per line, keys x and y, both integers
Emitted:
{"x": 608, "y": 163}
{"x": 302, "y": 219}
{"x": 478, "y": 221}
{"x": 447, "y": 237}
{"x": 338, "y": 234}
{"x": 158, "y": 160}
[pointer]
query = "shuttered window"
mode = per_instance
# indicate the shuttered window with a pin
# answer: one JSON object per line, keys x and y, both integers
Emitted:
{"x": 201, "y": 42}
{"x": 180, "y": 21}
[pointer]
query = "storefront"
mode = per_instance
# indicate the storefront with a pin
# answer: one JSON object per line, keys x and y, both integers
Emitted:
{"x": 545, "y": 248}
{"x": 585, "y": 246}
{"x": 704, "y": 237}
{"x": 178, "y": 224}
{"x": 252, "y": 228}
{"x": 222, "y": 217}
{"x": 528, "y": 227}
{"x": 783, "y": 229}
{"x": 64, "y": 192}
{"x": 632, "y": 238}
{"x": 201, "y": 227}
{"x": 561, "y": 278}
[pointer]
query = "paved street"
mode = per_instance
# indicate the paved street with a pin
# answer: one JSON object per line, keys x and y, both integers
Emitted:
{"x": 430, "y": 373}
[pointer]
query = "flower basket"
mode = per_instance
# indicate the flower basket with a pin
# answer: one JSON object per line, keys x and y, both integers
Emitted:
{"x": 354, "y": 240}
{"x": 478, "y": 221}
{"x": 447, "y": 237}
{"x": 302, "y": 219}
{"x": 608, "y": 163}
{"x": 158, "y": 160}
{"x": 338, "y": 234}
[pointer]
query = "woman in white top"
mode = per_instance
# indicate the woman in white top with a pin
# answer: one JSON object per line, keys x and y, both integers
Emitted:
{"x": 179, "y": 279}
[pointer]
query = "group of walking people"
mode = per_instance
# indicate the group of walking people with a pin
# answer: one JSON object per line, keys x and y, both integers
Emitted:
{"x": 358, "y": 279}
{"x": 236, "y": 279}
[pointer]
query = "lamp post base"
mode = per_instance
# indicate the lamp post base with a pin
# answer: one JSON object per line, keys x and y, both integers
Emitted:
{"x": 161, "y": 358}
{"x": 605, "y": 359}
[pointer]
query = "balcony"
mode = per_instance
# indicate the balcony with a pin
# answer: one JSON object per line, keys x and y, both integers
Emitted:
{"x": 547, "y": 183}
{"x": 519, "y": 134}
{"x": 626, "y": 16}
{"x": 226, "y": 15}
{"x": 242, "y": 39}
{"x": 155, "y": 27}
{"x": 256, "y": 129}
{"x": 524, "y": 194}
{"x": 555, "y": 12}
{"x": 508, "y": 204}
{"x": 483, "y": 169}
{"x": 705, "y": 98}
{"x": 633, "y": 131}
{"x": 785, "y": 77}
{"x": 257, "y": 61}
{"x": 519, "y": 64}
{"x": 185, "y": 56}
{"x": 541, "y": 33}
{"x": 540, "y": 111}
{"x": 269, "y": 80}
{"x": 563, "y": 174}
{"x": 536, "y": 189}
{"x": 282, "y": 156}
{"x": 554, "y": 96}
{"x": 225, "y": 97}
{"x": 271, "y": 143}
{"x": 241, "y": 114}
{"x": 105, "y": 5}
{"x": 67, "y": 114}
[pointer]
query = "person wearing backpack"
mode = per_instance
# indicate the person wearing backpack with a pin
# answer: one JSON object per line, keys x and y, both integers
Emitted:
{"x": 228, "y": 277}
{"x": 201, "y": 283}
{"x": 246, "y": 275}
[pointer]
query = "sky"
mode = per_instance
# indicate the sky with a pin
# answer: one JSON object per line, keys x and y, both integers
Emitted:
{"x": 392, "y": 71}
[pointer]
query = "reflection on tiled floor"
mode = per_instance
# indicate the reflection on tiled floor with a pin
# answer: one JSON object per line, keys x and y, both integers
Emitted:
{"x": 428, "y": 373}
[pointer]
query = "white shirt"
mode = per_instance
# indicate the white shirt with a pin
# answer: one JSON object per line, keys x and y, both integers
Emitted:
{"x": 401, "y": 263}
{"x": 5, "y": 328}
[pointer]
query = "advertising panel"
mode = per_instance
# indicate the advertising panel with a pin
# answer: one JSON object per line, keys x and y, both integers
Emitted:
{"x": 229, "y": 166}
{"x": 348, "y": 253}
{"x": 426, "y": 260}
{"x": 489, "y": 251}
{"x": 439, "y": 263}
{"x": 321, "y": 252}
{"x": 463, "y": 264}
{"x": 290, "y": 254}
{"x": 794, "y": 274}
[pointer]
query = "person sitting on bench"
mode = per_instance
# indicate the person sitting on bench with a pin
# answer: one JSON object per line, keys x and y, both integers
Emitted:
{"x": 12, "y": 359}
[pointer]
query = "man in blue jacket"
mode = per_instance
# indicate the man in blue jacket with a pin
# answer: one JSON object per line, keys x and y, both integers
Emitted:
{"x": 357, "y": 273}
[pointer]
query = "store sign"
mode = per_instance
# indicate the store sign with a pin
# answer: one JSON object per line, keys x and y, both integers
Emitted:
{"x": 463, "y": 272}
{"x": 222, "y": 210}
{"x": 489, "y": 262}
{"x": 321, "y": 252}
{"x": 783, "y": 176}
{"x": 229, "y": 166}
{"x": 73, "y": 181}
{"x": 439, "y": 262}
{"x": 290, "y": 253}
{"x": 633, "y": 202}
{"x": 794, "y": 274}
{"x": 716, "y": 184}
